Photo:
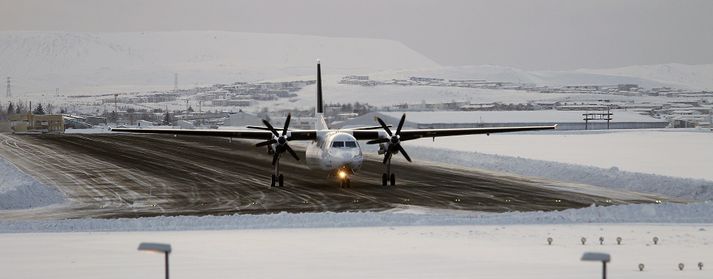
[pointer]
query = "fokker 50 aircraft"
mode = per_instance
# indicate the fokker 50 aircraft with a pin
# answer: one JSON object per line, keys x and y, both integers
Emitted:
{"x": 334, "y": 151}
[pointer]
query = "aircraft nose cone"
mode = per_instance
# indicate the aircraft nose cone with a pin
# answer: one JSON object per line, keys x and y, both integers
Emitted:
{"x": 347, "y": 158}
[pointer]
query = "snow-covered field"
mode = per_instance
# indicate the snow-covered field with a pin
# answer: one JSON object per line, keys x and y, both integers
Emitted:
{"x": 486, "y": 251}
{"x": 677, "y": 153}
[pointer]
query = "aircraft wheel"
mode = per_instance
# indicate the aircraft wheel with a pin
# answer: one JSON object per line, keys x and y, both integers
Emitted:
{"x": 282, "y": 181}
{"x": 383, "y": 179}
{"x": 393, "y": 179}
{"x": 272, "y": 184}
{"x": 348, "y": 183}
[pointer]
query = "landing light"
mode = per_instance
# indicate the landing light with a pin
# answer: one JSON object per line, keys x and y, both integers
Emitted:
{"x": 342, "y": 174}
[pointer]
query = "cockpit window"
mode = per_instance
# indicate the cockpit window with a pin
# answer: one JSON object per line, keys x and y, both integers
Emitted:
{"x": 342, "y": 144}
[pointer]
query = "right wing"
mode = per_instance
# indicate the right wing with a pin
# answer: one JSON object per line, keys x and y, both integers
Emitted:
{"x": 432, "y": 133}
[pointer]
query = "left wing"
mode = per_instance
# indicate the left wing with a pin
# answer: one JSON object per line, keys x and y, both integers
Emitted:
{"x": 432, "y": 133}
{"x": 242, "y": 134}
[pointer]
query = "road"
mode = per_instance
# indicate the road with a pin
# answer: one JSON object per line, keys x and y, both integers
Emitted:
{"x": 125, "y": 175}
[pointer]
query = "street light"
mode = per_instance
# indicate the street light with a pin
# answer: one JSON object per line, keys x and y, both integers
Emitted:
{"x": 157, "y": 247}
{"x": 598, "y": 257}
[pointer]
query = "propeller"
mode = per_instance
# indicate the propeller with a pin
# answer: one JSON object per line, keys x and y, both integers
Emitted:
{"x": 279, "y": 139}
{"x": 393, "y": 141}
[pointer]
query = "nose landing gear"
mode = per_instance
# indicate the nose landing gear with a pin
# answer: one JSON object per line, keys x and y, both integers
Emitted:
{"x": 344, "y": 181}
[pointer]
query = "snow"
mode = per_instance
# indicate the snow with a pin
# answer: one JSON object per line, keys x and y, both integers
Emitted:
{"x": 662, "y": 152}
{"x": 666, "y": 162}
{"x": 406, "y": 216}
{"x": 515, "y": 75}
{"x": 679, "y": 75}
{"x": 89, "y": 63}
{"x": 20, "y": 191}
{"x": 385, "y": 250}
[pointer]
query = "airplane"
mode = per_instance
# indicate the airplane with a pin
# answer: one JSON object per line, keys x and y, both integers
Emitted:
{"x": 334, "y": 151}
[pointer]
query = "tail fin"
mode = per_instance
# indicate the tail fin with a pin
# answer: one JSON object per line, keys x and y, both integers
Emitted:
{"x": 319, "y": 89}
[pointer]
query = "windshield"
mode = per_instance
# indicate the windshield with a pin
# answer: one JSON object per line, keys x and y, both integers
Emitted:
{"x": 342, "y": 144}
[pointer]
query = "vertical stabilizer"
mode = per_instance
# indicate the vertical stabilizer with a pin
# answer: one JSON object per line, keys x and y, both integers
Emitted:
{"x": 320, "y": 124}
{"x": 320, "y": 106}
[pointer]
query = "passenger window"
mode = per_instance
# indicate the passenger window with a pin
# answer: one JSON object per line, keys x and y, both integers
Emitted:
{"x": 338, "y": 144}
{"x": 350, "y": 144}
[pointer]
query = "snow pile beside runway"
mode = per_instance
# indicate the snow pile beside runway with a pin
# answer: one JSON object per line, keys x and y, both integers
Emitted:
{"x": 499, "y": 251}
{"x": 684, "y": 188}
{"x": 643, "y": 213}
{"x": 20, "y": 191}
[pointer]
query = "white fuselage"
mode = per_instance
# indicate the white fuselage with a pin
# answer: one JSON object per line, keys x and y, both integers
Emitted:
{"x": 334, "y": 151}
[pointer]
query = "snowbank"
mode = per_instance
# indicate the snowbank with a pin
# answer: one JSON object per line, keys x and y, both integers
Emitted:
{"x": 683, "y": 188}
{"x": 21, "y": 191}
{"x": 670, "y": 152}
{"x": 643, "y": 213}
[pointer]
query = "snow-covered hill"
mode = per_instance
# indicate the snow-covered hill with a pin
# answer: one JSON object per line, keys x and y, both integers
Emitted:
{"x": 679, "y": 75}
{"x": 89, "y": 62}
{"x": 86, "y": 63}
{"x": 550, "y": 78}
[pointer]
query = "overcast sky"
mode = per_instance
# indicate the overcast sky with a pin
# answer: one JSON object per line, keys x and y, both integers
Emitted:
{"x": 530, "y": 34}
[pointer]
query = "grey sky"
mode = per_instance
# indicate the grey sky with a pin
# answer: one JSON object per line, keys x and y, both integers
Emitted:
{"x": 530, "y": 34}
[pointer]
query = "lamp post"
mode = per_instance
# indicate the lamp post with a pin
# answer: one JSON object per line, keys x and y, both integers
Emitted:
{"x": 598, "y": 257}
{"x": 157, "y": 247}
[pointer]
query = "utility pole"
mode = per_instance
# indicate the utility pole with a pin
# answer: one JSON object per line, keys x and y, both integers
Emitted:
{"x": 116, "y": 111}
{"x": 8, "y": 91}
{"x": 175, "y": 82}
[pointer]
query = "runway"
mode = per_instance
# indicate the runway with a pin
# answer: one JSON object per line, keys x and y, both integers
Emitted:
{"x": 127, "y": 175}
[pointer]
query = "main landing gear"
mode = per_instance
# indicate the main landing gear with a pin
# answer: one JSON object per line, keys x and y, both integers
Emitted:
{"x": 388, "y": 176}
{"x": 277, "y": 178}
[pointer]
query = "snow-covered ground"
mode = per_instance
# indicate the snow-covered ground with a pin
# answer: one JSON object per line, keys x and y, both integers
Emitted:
{"x": 21, "y": 191}
{"x": 382, "y": 250}
{"x": 680, "y": 75}
{"x": 677, "y": 153}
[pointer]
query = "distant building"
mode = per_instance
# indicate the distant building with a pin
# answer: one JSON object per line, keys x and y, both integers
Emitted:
{"x": 426, "y": 79}
{"x": 242, "y": 119}
{"x": 32, "y": 123}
